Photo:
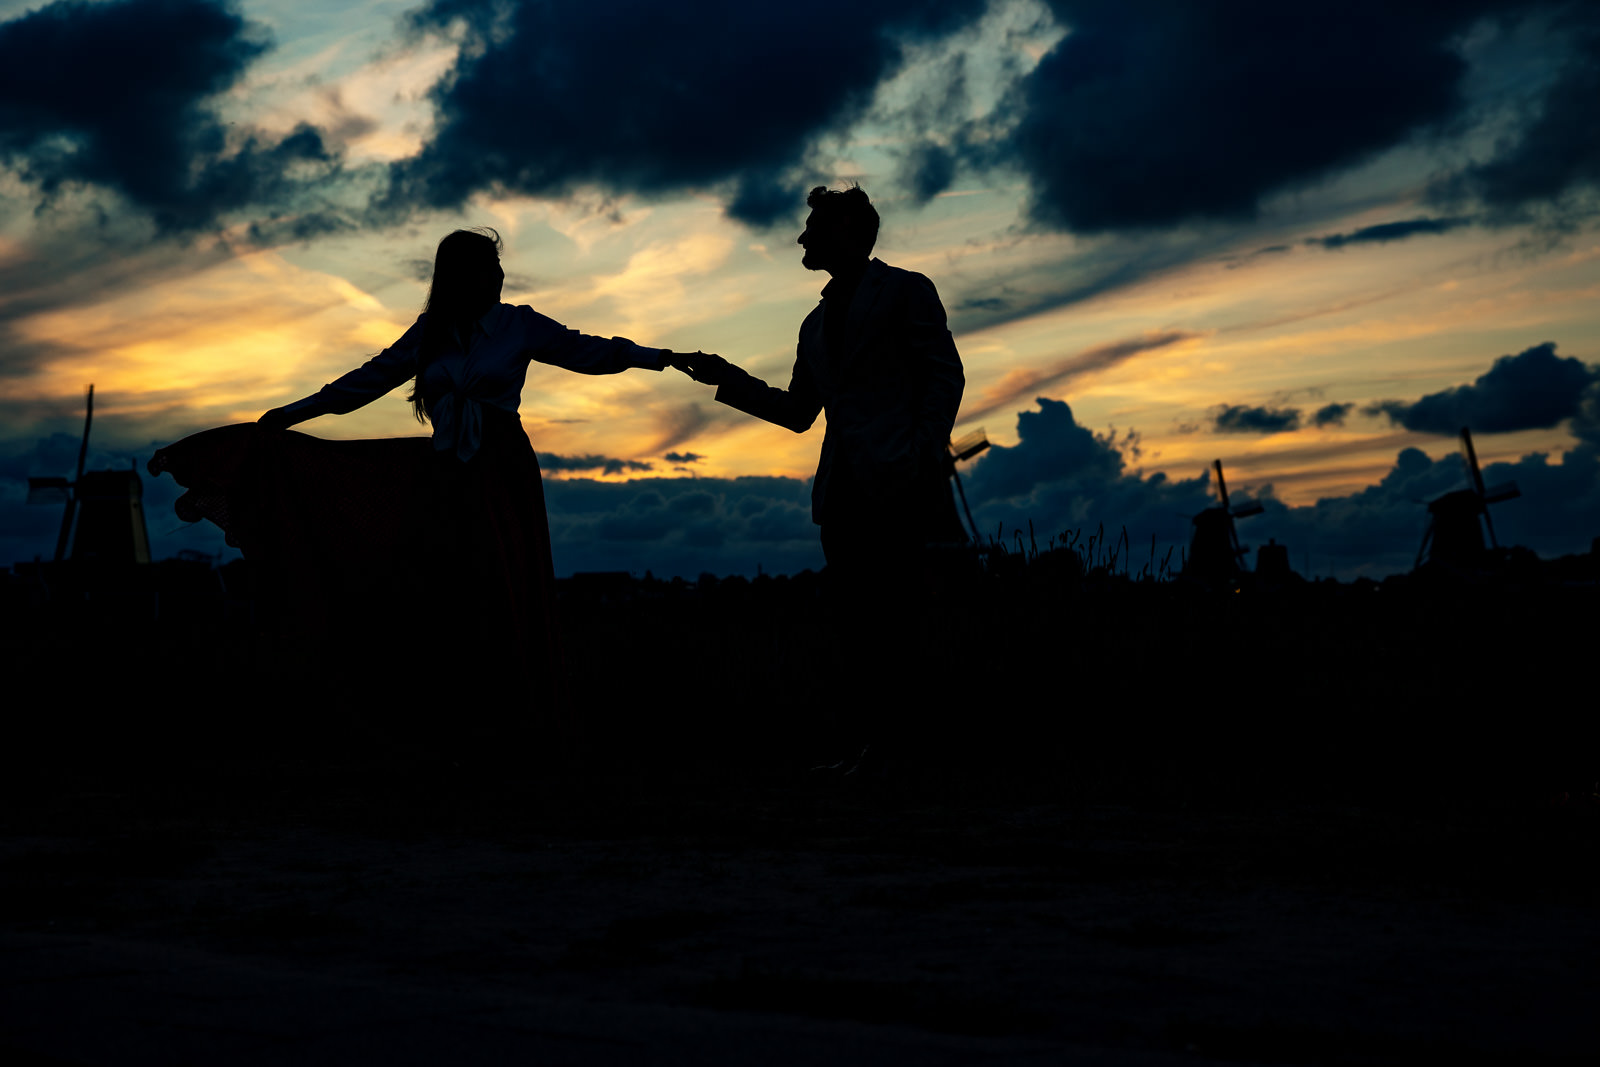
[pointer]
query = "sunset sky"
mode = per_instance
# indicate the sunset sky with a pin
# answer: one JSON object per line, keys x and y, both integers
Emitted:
{"x": 1304, "y": 239}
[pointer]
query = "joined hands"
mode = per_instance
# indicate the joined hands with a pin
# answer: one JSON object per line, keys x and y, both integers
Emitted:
{"x": 704, "y": 367}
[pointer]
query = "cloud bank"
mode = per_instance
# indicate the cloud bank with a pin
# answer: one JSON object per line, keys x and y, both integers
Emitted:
{"x": 1533, "y": 389}
{"x": 1061, "y": 477}
{"x": 683, "y": 526}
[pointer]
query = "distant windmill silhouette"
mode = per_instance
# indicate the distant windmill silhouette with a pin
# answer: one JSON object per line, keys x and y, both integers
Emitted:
{"x": 965, "y": 448}
{"x": 1214, "y": 550}
{"x": 1454, "y": 537}
{"x": 108, "y": 507}
{"x": 1272, "y": 563}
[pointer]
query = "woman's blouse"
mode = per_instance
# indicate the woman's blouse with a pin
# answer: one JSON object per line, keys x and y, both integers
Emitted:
{"x": 489, "y": 368}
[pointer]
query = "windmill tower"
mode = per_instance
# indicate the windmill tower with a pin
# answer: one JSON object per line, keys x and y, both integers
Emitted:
{"x": 1272, "y": 563}
{"x": 1456, "y": 521}
{"x": 103, "y": 518}
{"x": 1214, "y": 549}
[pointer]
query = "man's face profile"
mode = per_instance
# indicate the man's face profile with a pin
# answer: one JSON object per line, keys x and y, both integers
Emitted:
{"x": 824, "y": 241}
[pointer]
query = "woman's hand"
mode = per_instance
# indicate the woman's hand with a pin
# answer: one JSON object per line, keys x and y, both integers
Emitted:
{"x": 276, "y": 419}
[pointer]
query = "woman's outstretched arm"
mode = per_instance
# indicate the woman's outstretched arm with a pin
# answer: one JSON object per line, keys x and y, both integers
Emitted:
{"x": 393, "y": 366}
{"x": 545, "y": 340}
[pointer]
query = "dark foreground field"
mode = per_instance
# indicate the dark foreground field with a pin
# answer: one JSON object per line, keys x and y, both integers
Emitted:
{"x": 1115, "y": 823}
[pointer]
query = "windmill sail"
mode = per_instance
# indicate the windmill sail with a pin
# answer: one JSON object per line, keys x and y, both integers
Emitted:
{"x": 68, "y": 513}
{"x": 966, "y": 447}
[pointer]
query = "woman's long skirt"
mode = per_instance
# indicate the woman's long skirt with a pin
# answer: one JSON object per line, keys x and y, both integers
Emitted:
{"x": 390, "y": 546}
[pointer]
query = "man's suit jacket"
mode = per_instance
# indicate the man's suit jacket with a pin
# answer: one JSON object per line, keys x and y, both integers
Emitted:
{"x": 891, "y": 392}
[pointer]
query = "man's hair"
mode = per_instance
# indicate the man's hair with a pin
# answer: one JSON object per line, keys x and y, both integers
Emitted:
{"x": 852, "y": 208}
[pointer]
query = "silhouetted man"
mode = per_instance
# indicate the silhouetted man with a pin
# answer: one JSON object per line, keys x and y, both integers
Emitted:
{"x": 877, "y": 356}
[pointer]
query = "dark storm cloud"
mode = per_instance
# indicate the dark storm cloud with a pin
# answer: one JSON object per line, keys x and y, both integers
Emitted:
{"x": 649, "y": 98}
{"x": 1555, "y": 156}
{"x": 1586, "y": 423}
{"x": 550, "y": 461}
{"x": 1241, "y": 418}
{"x": 115, "y": 96}
{"x": 1052, "y": 447}
{"x": 1389, "y": 231}
{"x": 927, "y": 171}
{"x": 1332, "y": 415}
{"x": 1061, "y": 476}
{"x": 1559, "y": 509}
{"x": 1530, "y": 390}
{"x": 1153, "y": 113}
{"x": 683, "y": 457}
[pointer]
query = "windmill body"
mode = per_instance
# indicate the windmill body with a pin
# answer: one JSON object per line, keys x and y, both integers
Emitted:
{"x": 110, "y": 522}
{"x": 1455, "y": 523}
{"x": 103, "y": 515}
{"x": 1214, "y": 548}
{"x": 1458, "y": 521}
{"x": 1272, "y": 564}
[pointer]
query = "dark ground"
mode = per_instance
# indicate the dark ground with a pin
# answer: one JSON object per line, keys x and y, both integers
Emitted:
{"x": 1124, "y": 824}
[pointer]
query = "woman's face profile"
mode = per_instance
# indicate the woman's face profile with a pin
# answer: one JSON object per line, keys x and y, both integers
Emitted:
{"x": 494, "y": 282}
{"x": 484, "y": 281}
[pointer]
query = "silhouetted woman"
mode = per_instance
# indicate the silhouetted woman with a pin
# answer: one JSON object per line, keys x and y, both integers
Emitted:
{"x": 458, "y": 522}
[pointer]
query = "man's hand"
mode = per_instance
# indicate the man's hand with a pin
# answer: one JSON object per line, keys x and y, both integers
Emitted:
{"x": 703, "y": 367}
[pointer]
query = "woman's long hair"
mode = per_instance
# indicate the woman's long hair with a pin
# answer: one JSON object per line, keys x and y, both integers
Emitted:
{"x": 461, "y": 267}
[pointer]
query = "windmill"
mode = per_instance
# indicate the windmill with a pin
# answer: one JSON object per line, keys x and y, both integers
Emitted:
{"x": 1454, "y": 537}
{"x": 103, "y": 517}
{"x": 1214, "y": 550}
{"x": 965, "y": 448}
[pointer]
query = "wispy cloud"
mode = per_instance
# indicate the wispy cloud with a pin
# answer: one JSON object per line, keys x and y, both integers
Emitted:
{"x": 1389, "y": 231}
{"x": 1020, "y": 386}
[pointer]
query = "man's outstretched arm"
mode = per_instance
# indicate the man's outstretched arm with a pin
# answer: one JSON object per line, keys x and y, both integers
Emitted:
{"x": 795, "y": 408}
